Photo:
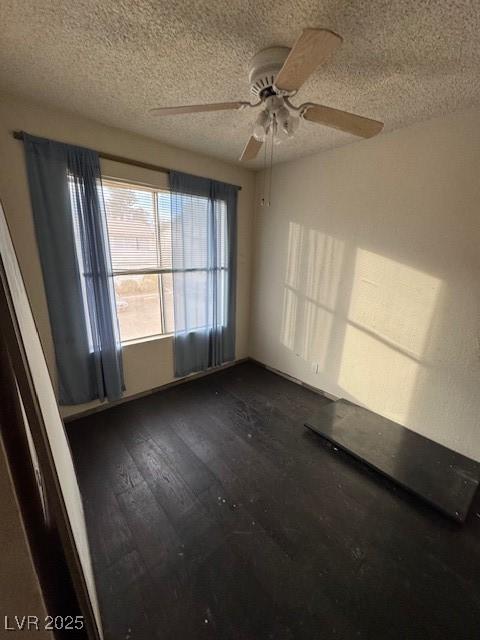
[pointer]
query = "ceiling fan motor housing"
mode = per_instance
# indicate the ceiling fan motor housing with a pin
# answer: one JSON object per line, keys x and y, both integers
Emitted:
{"x": 264, "y": 68}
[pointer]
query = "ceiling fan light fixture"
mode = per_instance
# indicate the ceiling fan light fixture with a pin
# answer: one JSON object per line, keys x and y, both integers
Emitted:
{"x": 279, "y": 134}
{"x": 287, "y": 123}
{"x": 261, "y": 126}
{"x": 291, "y": 125}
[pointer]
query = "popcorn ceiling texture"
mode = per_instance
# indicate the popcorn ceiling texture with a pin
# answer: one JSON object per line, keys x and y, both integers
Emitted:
{"x": 112, "y": 60}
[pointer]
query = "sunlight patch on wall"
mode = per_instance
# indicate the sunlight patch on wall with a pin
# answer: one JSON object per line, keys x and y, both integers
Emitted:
{"x": 393, "y": 300}
{"x": 318, "y": 327}
{"x": 290, "y": 294}
{"x": 313, "y": 272}
{"x": 289, "y": 318}
{"x": 294, "y": 254}
{"x": 376, "y": 375}
{"x": 324, "y": 260}
{"x": 391, "y": 310}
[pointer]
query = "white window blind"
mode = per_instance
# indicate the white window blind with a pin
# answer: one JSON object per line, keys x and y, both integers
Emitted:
{"x": 139, "y": 231}
{"x": 138, "y": 227}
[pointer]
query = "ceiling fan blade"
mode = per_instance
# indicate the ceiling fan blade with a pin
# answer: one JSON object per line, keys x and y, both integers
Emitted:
{"x": 251, "y": 149}
{"x": 309, "y": 51}
{"x": 197, "y": 108}
{"x": 342, "y": 120}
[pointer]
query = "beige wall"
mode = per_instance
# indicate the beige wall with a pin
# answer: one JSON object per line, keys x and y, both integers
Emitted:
{"x": 147, "y": 364}
{"x": 367, "y": 268}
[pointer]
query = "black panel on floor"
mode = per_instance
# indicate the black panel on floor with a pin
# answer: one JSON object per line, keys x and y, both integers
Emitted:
{"x": 442, "y": 477}
{"x": 213, "y": 513}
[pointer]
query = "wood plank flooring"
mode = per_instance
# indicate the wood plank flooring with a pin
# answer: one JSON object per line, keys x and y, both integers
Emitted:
{"x": 213, "y": 513}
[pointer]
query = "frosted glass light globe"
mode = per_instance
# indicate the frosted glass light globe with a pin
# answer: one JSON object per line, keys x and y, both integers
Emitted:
{"x": 260, "y": 128}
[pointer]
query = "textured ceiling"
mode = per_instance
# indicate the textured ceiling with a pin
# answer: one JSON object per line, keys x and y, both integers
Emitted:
{"x": 111, "y": 60}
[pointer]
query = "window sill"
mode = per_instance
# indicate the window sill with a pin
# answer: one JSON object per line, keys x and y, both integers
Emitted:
{"x": 161, "y": 336}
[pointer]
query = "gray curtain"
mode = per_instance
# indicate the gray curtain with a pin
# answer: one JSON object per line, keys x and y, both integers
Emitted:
{"x": 70, "y": 225}
{"x": 204, "y": 259}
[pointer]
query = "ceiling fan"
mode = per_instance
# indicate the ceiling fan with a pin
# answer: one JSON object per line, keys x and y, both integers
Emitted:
{"x": 276, "y": 74}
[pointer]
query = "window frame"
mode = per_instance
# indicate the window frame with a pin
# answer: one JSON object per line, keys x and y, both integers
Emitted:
{"x": 109, "y": 180}
{"x": 158, "y": 272}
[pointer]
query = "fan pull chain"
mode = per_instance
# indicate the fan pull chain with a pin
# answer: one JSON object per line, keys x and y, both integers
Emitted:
{"x": 268, "y": 168}
{"x": 271, "y": 165}
{"x": 262, "y": 200}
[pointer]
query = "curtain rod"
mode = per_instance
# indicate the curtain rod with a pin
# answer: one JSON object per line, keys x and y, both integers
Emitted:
{"x": 18, "y": 135}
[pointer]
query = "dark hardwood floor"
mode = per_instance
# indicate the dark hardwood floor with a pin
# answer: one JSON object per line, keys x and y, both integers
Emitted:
{"x": 213, "y": 513}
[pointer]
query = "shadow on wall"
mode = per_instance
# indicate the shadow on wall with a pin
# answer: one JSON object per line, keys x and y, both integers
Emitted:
{"x": 375, "y": 331}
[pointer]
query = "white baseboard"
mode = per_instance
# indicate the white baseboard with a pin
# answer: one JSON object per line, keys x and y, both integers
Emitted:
{"x": 295, "y": 380}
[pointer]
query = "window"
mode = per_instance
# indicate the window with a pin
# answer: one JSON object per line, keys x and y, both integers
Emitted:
{"x": 140, "y": 236}
{"x": 139, "y": 231}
